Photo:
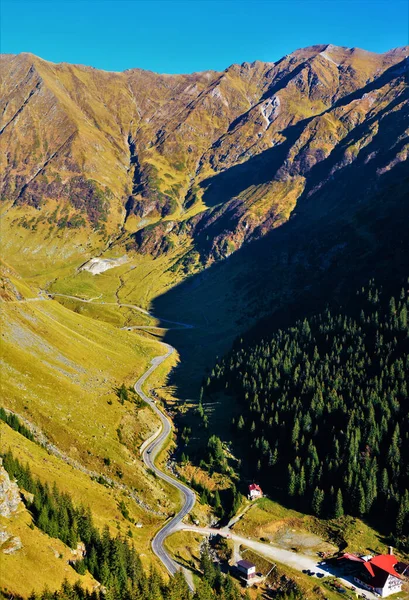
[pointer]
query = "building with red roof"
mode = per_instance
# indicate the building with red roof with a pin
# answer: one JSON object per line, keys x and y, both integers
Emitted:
{"x": 382, "y": 574}
{"x": 255, "y": 491}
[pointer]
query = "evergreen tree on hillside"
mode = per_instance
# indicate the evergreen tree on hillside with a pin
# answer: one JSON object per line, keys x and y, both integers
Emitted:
{"x": 325, "y": 409}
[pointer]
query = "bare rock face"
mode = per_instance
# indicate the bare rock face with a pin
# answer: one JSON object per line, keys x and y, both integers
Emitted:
{"x": 9, "y": 494}
{"x": 9, "y": 503}
{"x": 9, "y": 543}
{"x": 79, "y": 552}
{"x": 95, "y": 266}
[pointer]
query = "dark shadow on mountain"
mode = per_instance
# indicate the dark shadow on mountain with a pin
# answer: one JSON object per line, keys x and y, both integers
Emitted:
{"x": 391, "y": 125}
{"x": 401, "y": 68}
{"x": 280, "y": 83}
{"x": 264, "y": 167}
{"x": 352, "y": 229}
{"x": 255, "y": 171}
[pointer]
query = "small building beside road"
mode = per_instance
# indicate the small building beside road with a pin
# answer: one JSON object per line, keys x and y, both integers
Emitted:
{"x": 255, "y": 491}
{"x": 247, "y": 569}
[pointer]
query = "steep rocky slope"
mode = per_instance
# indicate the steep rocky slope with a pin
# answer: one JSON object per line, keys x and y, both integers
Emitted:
{"x": 213, "y": 159}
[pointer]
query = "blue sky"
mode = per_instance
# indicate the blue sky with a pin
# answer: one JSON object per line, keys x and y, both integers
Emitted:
{"x": 184, "y": 36}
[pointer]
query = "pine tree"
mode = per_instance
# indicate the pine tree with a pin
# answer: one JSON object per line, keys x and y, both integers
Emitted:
{"x": 291, "y": 481}
{"x": 317, "y": 502}
{"x": 339, "y": 505}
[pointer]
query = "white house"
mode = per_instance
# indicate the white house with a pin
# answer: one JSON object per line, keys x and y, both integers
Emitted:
{"x": 380, "y": 574}
{"x": 255, "y": 491}
{"x": 246, "y": 568}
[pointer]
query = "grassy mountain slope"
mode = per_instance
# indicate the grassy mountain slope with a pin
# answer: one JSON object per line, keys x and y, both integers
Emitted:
{"x": 268, "y": 189}
{"x": 61, "y": 371}
{"x": 38, "y": 548}
{"x": 228, "y": 154}
{"x": 180, "y": 171}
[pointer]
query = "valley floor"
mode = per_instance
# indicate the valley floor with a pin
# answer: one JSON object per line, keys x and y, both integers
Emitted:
{"x": 128, "y": 457}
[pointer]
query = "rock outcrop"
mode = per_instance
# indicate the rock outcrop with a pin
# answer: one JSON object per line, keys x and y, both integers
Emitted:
{"x": 10, "y": 502}
{"x": 9, "y": 494}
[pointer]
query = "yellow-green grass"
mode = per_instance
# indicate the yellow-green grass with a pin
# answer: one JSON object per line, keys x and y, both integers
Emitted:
{"x": 270, "y": 520}
{"x": 38, "y": 552}
{"x": 359, "y": 536}
{"x": 280, "y": 197}
{"x": 264, "y": 513}
{"x": 311, "y": 587}
{"x": 50, "y": 258}
{"x": 85, "y": 285}
{"x": 184, "y": 546}
{"x": 12, "y": 286}
{"x": 60, "y": 371}
{"x": 116, "y": 315}
{"x": 148, "y": 279}
{"x": 136, "y": 282}
{"x": 45, "y": 253}
{"x": 102, "y": 500}
{"x": 42, "y": 561}
{"x": 168, "y": 176}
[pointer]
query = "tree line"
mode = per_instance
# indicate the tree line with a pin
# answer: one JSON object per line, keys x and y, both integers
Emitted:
{"x": 15, "y": 424}
{"x": 325, "y": 410}
{"x": 113, "y": 561}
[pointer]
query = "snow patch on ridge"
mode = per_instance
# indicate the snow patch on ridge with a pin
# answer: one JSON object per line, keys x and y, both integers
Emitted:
{"x": 99, "y": 265}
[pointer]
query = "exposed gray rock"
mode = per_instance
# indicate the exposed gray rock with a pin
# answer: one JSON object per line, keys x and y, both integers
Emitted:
{"x": 9, "y": 493}
{"x": 12, "y": 544}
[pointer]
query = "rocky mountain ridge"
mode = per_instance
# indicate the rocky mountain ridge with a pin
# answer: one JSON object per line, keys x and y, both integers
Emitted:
{"x": 206, "y": 161}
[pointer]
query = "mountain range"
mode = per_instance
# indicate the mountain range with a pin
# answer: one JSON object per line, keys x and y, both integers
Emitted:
{"x": 206, "y": 161}
{"x": 213, "y": 211}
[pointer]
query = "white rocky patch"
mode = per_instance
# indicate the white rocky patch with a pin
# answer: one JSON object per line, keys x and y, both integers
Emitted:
{"x": 192, "y": 90}
{"x": 327, "y": 57}
{"x": 9, "y": 493}
{"x": 216, "y": 93}
{"x": 371, "y": 98}
{"x": 270, "y": 110}
{"x": 9, "y": 503}
{"x": 100, "y": 265}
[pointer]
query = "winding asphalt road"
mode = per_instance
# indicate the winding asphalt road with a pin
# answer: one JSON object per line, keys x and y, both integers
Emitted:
{"x": 152, "y": 449}
{"x": 121, "y": 305}
{"x": 149, "y": 455}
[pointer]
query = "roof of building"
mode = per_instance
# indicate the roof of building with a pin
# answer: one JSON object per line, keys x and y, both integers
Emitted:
{"x": 378, "y": 580}
{"x": 246, "y": 564}
{"x": 402, "y": 568}
{"x": 385, "y": 562}
{"x": 378, "y": 567}
{"x": 254, "y": 487}
{"x": 349, "y": 556}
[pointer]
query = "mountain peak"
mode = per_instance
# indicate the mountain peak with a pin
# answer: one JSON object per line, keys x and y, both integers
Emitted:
{"x": 130, "y": 149}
